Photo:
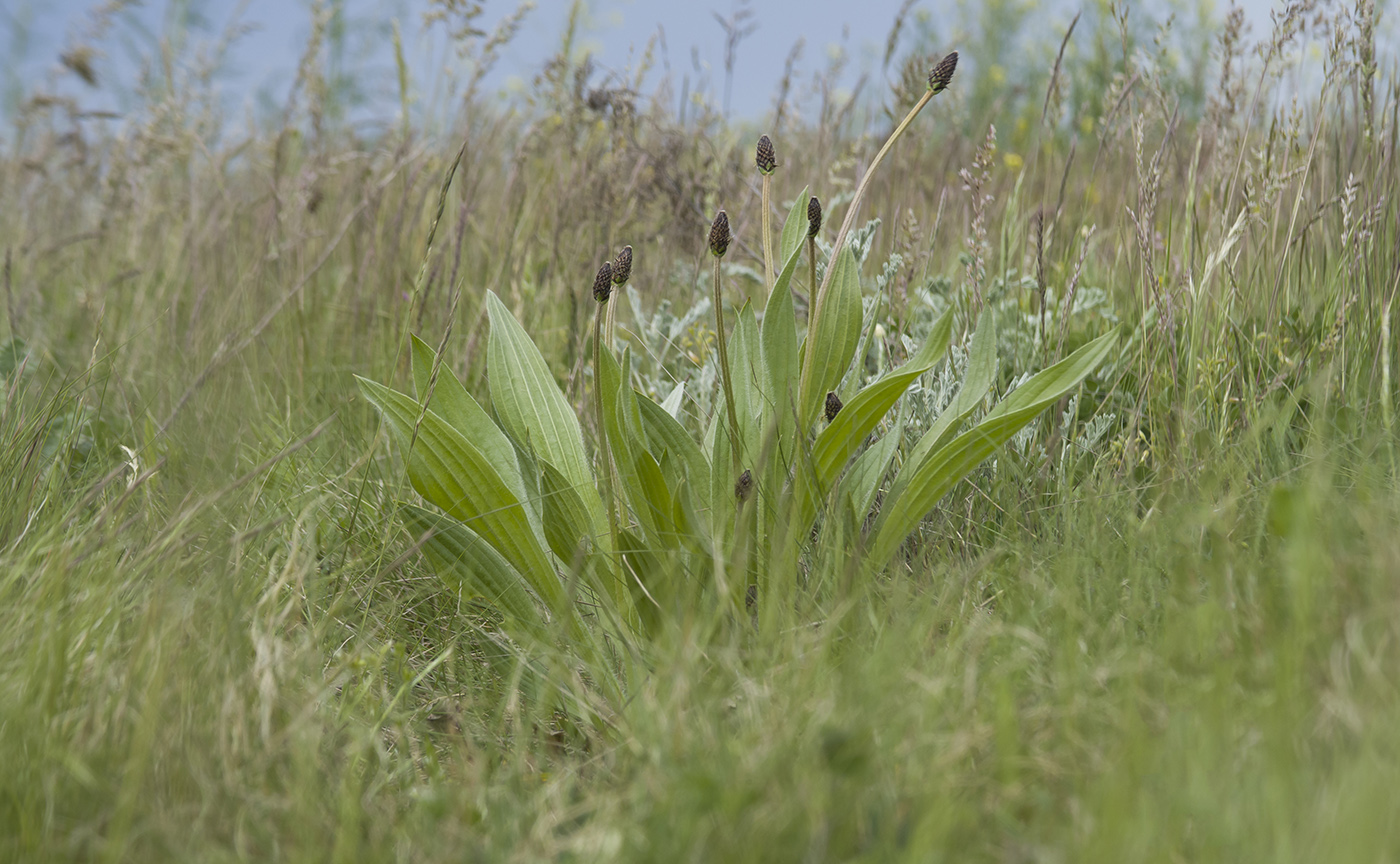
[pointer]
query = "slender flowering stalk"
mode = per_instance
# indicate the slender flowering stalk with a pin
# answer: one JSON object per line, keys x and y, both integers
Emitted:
{"x": 814, "y": 226}
{"x": 938, "y": 81}
{"x": 622, "y": 271}
{"x": 767, "y": 161}
{"x": 602, "y": 290}
{"x": 719, "y": 244}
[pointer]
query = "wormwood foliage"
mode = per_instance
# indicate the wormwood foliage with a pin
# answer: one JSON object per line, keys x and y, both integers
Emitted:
{"x": 526, "y": 522}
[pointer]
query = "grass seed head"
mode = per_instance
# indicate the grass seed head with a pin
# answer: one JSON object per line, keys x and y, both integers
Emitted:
{"x": 833, "y": 405}
{"x": 622, "y": 266}
{"x": 942, "y": 74}
{"x": 719, "y": 234}
{"x": 814, "y": 216}
{"x": 764, "y": 156}
{"x": 602, "y": 283}
{"x": 743, "y": 486}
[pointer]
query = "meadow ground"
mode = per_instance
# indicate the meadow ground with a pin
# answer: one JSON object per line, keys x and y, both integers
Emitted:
{"x": 1162, "y": 623}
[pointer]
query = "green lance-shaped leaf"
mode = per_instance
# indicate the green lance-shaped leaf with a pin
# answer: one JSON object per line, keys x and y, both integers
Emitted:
{"x": 721, "y": 492}
{"x": 839, "y": 441}
{"x": 576, "y": 539}
{"x": 673, "y": 401}
{"x": 624, "y": 435}
{"x": 655, "y": 496}
{"x": 794, "y": 229}
{"x": 830, "y": 348}
{"x": 450, "y": 472}
{"x": 746, "y": 369}
{"x": 862, "y": 480}
{"x": 939, "y": 472}
{"x": 568, "y": 525}
{"x": 472, "y": 566}
{"x": 648, "y": 580}
{"x": 782, "y": 361}
{"x": 667, "y": 435}
{"x": 977, "y": 380}
{"x": 453, "y": 403}
{"x": 529, "y": 404}
{"x": 639, "y": 470}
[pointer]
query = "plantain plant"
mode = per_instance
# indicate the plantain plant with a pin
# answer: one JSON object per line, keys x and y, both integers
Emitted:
{"x": 601, "y": 552}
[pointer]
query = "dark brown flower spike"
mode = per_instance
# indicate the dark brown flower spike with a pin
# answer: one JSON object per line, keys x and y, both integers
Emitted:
{"x": 602, "y": 283}
{"x": 942, "y": 74}
{"x": 719, "y": 235}
{"x": 743, "y": 486}
{"x": 622, "y": 266}
{"x": 764, "y": 156}
{"x": 814, "y": 216}
{"x": 833, "y": 405}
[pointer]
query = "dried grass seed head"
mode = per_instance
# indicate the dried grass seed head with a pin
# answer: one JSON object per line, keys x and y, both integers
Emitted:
{"x": 602, "y": 283}
{"x": 942, "y": 73}
{"x": 814, "y": 216}
{"x": 622, "y": 266}
{"x": 719, "y": 234}
{"x": 764, "y": 155}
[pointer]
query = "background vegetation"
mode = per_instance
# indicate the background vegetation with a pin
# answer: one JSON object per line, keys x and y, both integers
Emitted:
{"x": 1164, "y": 624}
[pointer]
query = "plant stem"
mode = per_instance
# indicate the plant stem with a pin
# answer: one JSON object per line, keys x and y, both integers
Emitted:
{"x": 767, "y": 236}
{"x": 865, "y": 181}
{"x": 724, "y": 372}
{"x": 819, "y": 301}
{"x": 811, "y": 273}
{"x": 605, "y": 466}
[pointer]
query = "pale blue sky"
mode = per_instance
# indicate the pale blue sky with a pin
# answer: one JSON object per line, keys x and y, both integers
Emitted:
{"x": 264, "y": 61}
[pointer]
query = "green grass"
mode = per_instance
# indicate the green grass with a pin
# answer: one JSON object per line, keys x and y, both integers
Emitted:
{"x": 1177, "y": 642}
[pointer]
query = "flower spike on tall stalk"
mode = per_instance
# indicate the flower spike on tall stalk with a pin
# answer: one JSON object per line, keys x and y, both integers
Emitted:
{"x": 767, "y": 160}
{"x": 719, "y": 244}
{"x": 602, "y": 290}
{"x": 814, "y": 227}
{"x": 938, "y": 80}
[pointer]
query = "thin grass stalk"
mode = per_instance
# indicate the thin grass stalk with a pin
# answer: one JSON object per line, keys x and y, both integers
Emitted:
{"x": 422, "y": 278}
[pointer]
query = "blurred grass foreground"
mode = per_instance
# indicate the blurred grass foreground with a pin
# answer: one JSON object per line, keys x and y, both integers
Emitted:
{"x": 1161, "y": 624}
